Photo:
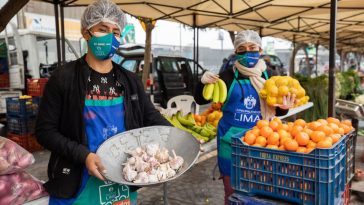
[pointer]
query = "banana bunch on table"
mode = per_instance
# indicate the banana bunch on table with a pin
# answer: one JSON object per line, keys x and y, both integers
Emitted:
{"x": 187, "y": 123}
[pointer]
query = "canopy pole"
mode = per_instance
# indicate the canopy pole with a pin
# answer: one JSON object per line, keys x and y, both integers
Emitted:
{"x": 291, "y": 68}
{"x": 63, "y": 34}
{"x": 194, "y": 53}
{"x": 317, "y": 48}
{"x": 333, "y": 12}
{"x": 56, "y": 16}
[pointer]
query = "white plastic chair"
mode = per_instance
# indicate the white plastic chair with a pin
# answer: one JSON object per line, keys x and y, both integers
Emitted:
{"x": 186, "y": 103}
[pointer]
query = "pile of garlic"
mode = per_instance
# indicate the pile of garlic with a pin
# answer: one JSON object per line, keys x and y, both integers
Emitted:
{"x": 151, "y": 164}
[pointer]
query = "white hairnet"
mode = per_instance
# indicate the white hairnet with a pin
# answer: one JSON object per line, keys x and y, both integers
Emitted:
{"x": 102, "y": 11}
{"x": 247, "y": 36}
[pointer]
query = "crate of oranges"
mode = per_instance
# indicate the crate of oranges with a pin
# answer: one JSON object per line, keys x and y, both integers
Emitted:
{"x": 299, "y": 162}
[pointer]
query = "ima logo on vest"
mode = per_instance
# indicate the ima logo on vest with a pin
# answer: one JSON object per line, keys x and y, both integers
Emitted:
{"x": 250, "y": 102}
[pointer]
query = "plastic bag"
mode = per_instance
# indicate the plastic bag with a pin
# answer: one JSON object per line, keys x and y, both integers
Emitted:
{"x": 13, "y": 157}
{"x": 20, "y": 187}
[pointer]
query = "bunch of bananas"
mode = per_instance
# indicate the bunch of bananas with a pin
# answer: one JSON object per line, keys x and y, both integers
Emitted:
{"x": 217, "y": 91}
{"x": 187, "y": 123}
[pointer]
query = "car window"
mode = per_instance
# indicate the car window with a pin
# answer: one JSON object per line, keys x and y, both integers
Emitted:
{"x": 199, "y": 68}
{"x": 169, "y": 65}
{"x": 130, "y": 65}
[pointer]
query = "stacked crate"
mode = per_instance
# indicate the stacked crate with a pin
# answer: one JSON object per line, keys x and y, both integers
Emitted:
{"x": 21, "y": 117}
{"x": 4, "y": 66}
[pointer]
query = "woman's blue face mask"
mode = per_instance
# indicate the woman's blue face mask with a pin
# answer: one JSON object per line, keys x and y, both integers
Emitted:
{"x": 103, "y": 46}
{"x": 248, "y": 58}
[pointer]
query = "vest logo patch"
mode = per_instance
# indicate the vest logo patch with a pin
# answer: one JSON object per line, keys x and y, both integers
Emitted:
{"x": 250, "y": 102}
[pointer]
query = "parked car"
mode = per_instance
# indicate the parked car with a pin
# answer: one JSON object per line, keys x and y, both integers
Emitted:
{"x": 276, "y": 65}
{"x": 169, "y": 75}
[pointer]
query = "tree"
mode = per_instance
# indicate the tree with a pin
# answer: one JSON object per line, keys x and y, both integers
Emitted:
{"x": 9, "y": 10}
{"x": 148, "y": 26}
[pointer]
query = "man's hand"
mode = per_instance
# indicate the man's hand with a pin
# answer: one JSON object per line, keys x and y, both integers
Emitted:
{"x": 288, "y": 102}
{"x": 94, "y": 166}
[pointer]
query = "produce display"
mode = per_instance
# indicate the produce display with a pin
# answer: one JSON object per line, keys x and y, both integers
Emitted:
{"x": 151, "y": 164}
{"x": 193, "y": 124}
{"x": 277, "y": 87}
{"x": 217, "y": 92}
{"x": 13, "y": 157}
{"x": 19, "y": 187}
{"x": 297, "y": 136}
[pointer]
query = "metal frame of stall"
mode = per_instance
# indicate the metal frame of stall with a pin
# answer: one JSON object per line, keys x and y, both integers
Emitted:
{"x": 59, "y": 4}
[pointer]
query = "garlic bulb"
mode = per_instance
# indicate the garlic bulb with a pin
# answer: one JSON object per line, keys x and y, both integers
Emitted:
{"x": 142, "y": 177}
{"x": 153, "y": 178}
{"x": 140, "y": 165}
{"x": 152, "y": 149}
{"x": 170, "y": 172}
{"x": 162, "y": 155}
{"x": 176, "y": 162}
{"x": 129, "y": 173}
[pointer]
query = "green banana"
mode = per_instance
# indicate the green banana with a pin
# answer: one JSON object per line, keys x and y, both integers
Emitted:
{"x": 208, "y": 91}
{"x": 216, "y": 95}
{"x": 222, "y": 91}
{"x": 184, "y": 121}
{"x": 168, "y": 119}
{"x": 210, "y": 127}
{"x": 196, "y": 128}
{"x": 200, "y": 137}
{"x": 177, "y": 124}
{"x": 190, "y": 117}
{"x": 205, "y": 133}
{"x": 211, "y": 132}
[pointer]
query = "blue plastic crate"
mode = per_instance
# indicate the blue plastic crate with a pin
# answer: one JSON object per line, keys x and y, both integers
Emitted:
{"x": 315, "y": 178}
{"x": 22, "y": 107}
{"x": 21, "y": 125}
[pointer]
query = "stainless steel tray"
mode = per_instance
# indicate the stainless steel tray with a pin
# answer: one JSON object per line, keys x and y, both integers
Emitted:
{"x": 112, "y": 151}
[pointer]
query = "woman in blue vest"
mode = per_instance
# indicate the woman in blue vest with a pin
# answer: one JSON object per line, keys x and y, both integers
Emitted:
{"x": 243, "y": 106}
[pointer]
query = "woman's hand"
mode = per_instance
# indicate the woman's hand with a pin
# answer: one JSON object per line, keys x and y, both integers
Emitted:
{"x": 209, "y": 77}
{"x": 94, "y": 166}
{"x": 288, "y": 102}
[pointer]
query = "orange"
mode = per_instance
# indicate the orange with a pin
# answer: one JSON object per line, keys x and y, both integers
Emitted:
{"x": 302, "y": 138}
{"x": 347, "y": 122}
{"x": 341, "y": 131}
{"x": 215, "y": 123}
{"x": 257, "y": 145}
{"x": 274, "y": 125}
{"x": 262, "y": 123}
{"x": 249, "y": 138}
{"x": 309, "y": 149}
{"x": 346, "y": 128}
{"x": 311, "y": 144}
{"x": 326, "y": 129}
{"x": 300, "y": 122}
{"x": 291, "y": 145}
{"x": 266, "y": 131}
{"x": 270, "y": 146}
{"x": 283, "y": 127}
{"x": 308, "y": 131}
{"x": 290, "y": 126}
{"x": 335, "y": 138}
{"x": 283, "y": 133}
{"x": 256, "y": 130}
{"x": 334, "y": 127}
{"x": 324, "y": 144}
{"x": 322, "y": 121}
{"x": 283, "y": 140}
{"x": 317, "y": 136}
{"x": 262, "y": 141}
{"x": 329, "y": 139}
{"x": 314, "y": 125}
{"x": 333, "y": 120}
{"x": 301, "y": 149}
{"x": 273, "y": 139}
{"x": 296, "y": 129}
{"x": 277, "y": 120}
{"x": 281, "y": 147}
